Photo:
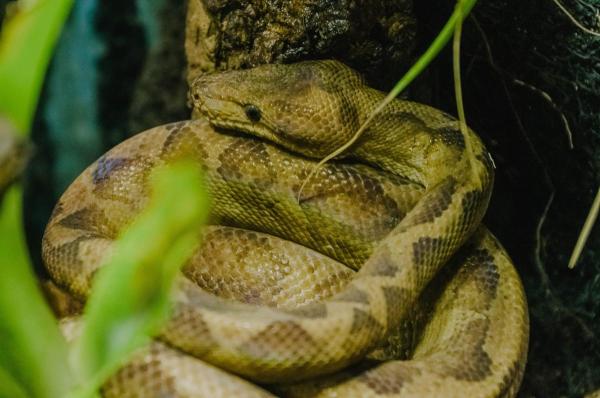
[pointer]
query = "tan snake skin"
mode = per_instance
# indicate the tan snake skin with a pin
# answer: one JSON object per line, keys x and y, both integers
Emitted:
{"x": 408, "y": 195}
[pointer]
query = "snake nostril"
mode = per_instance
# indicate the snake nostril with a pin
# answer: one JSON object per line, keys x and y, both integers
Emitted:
{"x": 194, "y": 98}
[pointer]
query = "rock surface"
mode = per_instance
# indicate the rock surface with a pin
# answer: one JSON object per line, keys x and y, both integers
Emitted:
{"x": 374, "y": 36}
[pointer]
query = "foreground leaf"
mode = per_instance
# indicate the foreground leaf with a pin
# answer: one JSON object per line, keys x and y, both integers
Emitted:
{"x": 26, "y": 44}
{"x": 130, "y": 298}
{"x": 33, "y": 354}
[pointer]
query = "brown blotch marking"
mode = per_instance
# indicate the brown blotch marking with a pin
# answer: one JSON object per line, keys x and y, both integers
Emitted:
{"x": 362, "y": 320}
{"x": 63, "y": 304}
{"x": 146, "y": 370}
{"x": 313, "y": 311}
{"x": 79, "y": 220}
{"x": 477, "y": 278}
{"x": 487, "y": 276}
{"x": 432, "y": 206}
{"x": 382, "y": 264}
{"x": 107, "y": 166}
{"x": 274, "y": 341}
{"x": 187, "y": 326}
{"x": 426, "y": 249}
{"x": 375, "y": 193}
{"x": 389, "y": 378}
{"x": 472, "y": 208}
{"x": 182, "y": 143}
{"x": 394, "y": 212}
{"x": 65, "y": 255}
{"x": 451, "y": 136}
{"x": 252, "y": 296}
{"x": 352, "y": 294}
{"x": 91, "y": 219}
{"x": 335, "y": 185}
{"x": 175, "y": 126}
{"x": 467, "y": 359}
{"x": 510, "y": 381}
{"x": 125, "y": 183}
{"x": 410, "y": 118}
{"x": 247, "y": 160}
{"x": 396, "y": 301}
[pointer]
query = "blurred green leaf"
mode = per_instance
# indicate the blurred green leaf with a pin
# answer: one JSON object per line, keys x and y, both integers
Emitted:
{"x": 9, "y": 388}
{"x": 32, "y": 350}
{"x": 33, "y": 354}
{"x": 130, "y": 299}
{"x": 26, "y": 44}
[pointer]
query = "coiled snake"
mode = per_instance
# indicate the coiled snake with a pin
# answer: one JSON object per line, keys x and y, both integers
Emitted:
{"x": 420, "y": 317}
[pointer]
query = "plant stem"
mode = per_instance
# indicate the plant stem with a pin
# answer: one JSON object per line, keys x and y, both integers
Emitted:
{"x": 26, "y": 45}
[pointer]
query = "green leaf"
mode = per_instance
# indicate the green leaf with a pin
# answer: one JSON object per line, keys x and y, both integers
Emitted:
{"x": 26, "y": 44}
{"x": 9, "y": 388}
{"x": 130, "y": 298}
{"x": 33, "y": 353}
{"x": 462, "y": 9}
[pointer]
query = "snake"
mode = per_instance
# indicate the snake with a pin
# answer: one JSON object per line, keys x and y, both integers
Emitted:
{"x": 369, "y": 276}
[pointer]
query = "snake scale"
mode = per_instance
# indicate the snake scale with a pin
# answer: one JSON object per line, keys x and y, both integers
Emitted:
{"x": 376, "y": 279}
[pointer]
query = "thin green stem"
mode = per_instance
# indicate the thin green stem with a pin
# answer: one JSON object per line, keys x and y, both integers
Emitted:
{"x": 460, "y": 108}
{"x": 462, "y": 9}
{"x": 585, "y": 231}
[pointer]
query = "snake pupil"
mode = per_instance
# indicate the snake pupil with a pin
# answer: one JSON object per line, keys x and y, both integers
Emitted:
{"x": 253, "y": 113}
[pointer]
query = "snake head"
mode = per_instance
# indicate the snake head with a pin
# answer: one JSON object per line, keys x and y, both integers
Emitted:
{"x": 307, "y": 108}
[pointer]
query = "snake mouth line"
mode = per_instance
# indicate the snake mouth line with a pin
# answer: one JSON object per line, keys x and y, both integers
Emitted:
{"x": 213, "y": 110}
{"x": 238, "y": 130}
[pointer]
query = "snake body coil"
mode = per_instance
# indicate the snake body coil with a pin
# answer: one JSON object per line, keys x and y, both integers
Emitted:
{"x": 398, "y": 208}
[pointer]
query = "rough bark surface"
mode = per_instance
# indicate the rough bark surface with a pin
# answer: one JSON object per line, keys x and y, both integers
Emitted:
{"x": 375, "y": 37}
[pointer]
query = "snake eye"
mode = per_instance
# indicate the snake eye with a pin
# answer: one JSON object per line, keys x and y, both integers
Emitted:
{"x": 253, "y": 113}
